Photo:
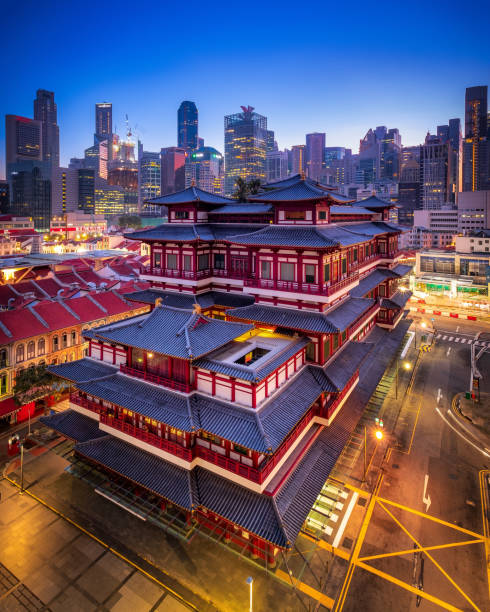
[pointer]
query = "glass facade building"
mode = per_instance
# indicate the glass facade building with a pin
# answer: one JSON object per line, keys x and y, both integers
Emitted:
{"x": 149, "y": 181}
{"x": 187, "y": 125}
{"x": 245, "y": 147}
{"x": 204, "y": 169}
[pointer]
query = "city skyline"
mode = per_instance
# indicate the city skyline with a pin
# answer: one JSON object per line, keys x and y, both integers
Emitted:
{"x": 150, "y": 92}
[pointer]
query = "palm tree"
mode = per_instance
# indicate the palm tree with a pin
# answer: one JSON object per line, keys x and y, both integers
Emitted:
{"x": 241, "y": 190}
{"x": 254, "y": 186}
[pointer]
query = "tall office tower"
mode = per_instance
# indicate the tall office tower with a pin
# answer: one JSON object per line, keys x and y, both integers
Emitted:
{"x": 276, "y": 165}
{"x": 103, "y": 121}
{"x": 298, "y": 159}
{"x": 86, "y": 189}
{"x": 408, "y": 191}
{"x": 4, "y": 197}
{"x": 187, "y": 126}
{"x": 333, "y": 153}
{"x": 45, "y": 110}
{"x": 172, "y": 168}
{"x": 370, "y": 155}
{"x": 436, "y": 173}
{"x": 64, "y": 190}
{"x": 476, "y": 154}
{"x": 391, "y": 145}
{"x": 270, "y": 142}
{"x": 204, "y": 169}
{"x": 28, "y": 175}
{"x": 23, "y": 139}
{"x": 149, "y": 180}
{"x": 315, "y": 151}
{"x": 452, "y": 133}
{"x": 410, "y": 154}
{"x": 245, "y": 147}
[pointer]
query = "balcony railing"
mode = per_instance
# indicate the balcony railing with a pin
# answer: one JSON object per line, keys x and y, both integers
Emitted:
{"x": 231, "y": 465}
{"x": 374, "y": 308}
{"x": 148, "y": 437}
{"x": 85, "y": 403}
{"x": 156, "y": 379}
{"x": 295, "y": 287}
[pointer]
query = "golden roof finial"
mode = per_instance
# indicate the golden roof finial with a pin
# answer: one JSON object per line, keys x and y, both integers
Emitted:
{"x": 197, "y": 308}
{"x": 193, "y": 183}
{"x": 158, "y": 302}
{"x": 302, "y": 174}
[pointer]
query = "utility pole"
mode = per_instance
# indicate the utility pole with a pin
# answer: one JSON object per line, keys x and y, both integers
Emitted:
{"x": 21, "y": 468}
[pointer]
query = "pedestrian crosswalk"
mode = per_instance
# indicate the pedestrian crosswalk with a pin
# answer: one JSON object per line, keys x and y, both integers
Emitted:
{"x": 462, "y": 340}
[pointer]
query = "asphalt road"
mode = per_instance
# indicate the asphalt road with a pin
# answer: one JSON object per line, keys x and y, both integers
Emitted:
{"x": 441, "y": 463}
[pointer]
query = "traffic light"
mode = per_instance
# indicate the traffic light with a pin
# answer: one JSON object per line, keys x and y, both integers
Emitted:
{"x": 378, "y": 422}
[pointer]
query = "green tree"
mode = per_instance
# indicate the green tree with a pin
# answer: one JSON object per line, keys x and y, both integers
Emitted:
{"x": 129, "y": 221}
{"x": 254, "y": 186}
{"x": 32, "y": 383}
{"x": 243, "y": 189}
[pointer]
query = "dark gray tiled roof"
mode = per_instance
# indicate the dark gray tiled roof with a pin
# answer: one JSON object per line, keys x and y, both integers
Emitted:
{"x": 174, "y": 483}
{"x": 372, "y": 228}
{"x": 374, "y": 202}
{"x": 188, "y": 232}
{"x": 191, "y": 194}
{"x": 302, "y": 320}
{"x": 402, "y": 269}
{"x": 370, "y": 282}
{"x": 187, "y": 300}
{"x": 248, "y": 373}
{"x": 349, "y": 210}
{"x": 146, "y": 399}
{"x": 301, "y": 191}
{"x": 173, "y": 331}
{"x": 82, "y": 370}
{"x": 73, "y": 425}
{"x": 301, "y": 235}
{"x": 396, "y": 301}
{"x": 347, "y": 362}
{"x": 243, "y": 208}
{"x": 348, "y": 311}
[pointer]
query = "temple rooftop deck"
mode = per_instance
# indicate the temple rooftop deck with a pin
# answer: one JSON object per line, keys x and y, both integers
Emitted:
{"x": 303, "y": 190}
{"x": 187, "y": 300}
{"x": 396, "y": 301}
{"x": 190, "y": 195}
{"x": 172, "y": 331}
{"x": 73, "y": 425}
{"x": 290, "y": 318}
{"x": 350, "y": 309}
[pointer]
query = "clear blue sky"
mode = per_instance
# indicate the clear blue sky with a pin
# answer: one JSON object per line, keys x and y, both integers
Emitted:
{"x": 335, "y": 67}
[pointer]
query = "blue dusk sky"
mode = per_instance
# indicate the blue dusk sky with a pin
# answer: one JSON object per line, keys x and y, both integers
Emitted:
{"x": 334, "y": 67}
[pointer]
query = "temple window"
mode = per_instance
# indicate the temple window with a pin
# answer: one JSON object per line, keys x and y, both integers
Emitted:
{"x": 240, "y": 449}
{"x": 265, "y": 269}
{"x": 382, "y": 290}
{"x": 295, "y": 215}
{"x": 41, "y": 347}
{"x": 309, "y": 273}
{"x": 326, "y": 347}
{"x": 3, "y": 384}
{"x": 344, "y": 265}
{"x": 181, "y": 214}
{"x": 322, "y": 215}
{"x": 326, "y": 272}
{"x": 157, "y": 259}
{"x": 212, "y": 438}
{"x": 310, "y": 351}
{"x": 31, "y": 350}
{"x": 64, "y": 340}
{"x": 73, "y": 337}
{"x": 354, "y": 255}
{"x": 287, "y": 272}
{"x": 171, "y": 261}
{"x": 219, "y": 261}
{"x": 203, "y": 261}
{"x": 187, "y": 262}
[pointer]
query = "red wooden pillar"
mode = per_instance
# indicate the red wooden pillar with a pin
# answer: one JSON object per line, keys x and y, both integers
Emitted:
{"x": 145, "y": 360}
{"x": 271, "y": 559}
{"x": 254, "y": 547}
{"x": 321, "y": 351}
{"x": 233, "y": 389}
{"x": 170, "y": 367}
{"x": 129, "y": 356}
{"x": 275, "y": 265}
{"x": 300, "y": 267}
{"x": 213, "y": 383}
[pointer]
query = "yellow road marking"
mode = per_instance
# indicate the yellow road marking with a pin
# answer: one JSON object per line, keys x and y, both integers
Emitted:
{"x": 357, "y": 549}
{"x": 411, "y": 550}
{"x": 429, "y": 556}
{"x": 326, "y": 546}
{"x": 484, "y": 509}
{"x": 360, "y": 492}
{"x": 430, "y": 518}
{"x": 109, "y": 548}
{"x": 408, "y": 587}
{"x": 325, "y": 600}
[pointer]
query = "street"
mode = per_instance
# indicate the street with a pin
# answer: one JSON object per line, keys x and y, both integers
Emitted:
{"x": 435, "y": 474}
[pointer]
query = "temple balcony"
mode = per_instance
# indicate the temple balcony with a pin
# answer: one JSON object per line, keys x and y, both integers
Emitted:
{"x": 328, "y": 288}
{"x": 156, "y": 379}
{"x": 83, "y": 402}
{"x": 173, "y": 273}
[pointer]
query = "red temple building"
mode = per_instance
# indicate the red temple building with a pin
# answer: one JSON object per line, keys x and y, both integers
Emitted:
{"x": 225, "y": 402}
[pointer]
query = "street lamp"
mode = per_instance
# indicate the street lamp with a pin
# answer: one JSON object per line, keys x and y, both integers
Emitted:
{"x": 407, "y": 366}
{"x": 250, "y": 582}
{"x": 379, "y": 436}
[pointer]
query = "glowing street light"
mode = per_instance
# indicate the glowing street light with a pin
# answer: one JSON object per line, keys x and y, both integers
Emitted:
{"x": 379, "y": 434}
{"x": 250, "y": 582}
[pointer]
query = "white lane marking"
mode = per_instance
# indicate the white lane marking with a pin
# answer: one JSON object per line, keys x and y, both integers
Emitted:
{"x": 407, "y": 345}
{"x": 438, "y": 336}
{"x": 444, "y": 337}
{"x": 426, "y": 500}
{"x": 343, "y": 523}
{"x": 450, "y": 339}
{"x": 463, "y": 340}
{"x": 460, "y": 434}
{"x": 439, "y": 395}
{"x": 457, "y": 329}
{"x": 102, "y": 494}
{"x": 448, "y": 351}
{"x": 457, "y": 339}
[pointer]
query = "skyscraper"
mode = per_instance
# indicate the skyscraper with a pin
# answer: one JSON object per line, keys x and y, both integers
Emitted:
{"x": 298, "y": 159}
{"x": 45, "y": 111}
{"x": 270, "y": 142}
{"x": 276, "y": 165}
{"x": 204, "y": 168}
{"x": 315, "y": 152}
{"x": 436, "y": 173}
{"x": 409, "y": 190}
{"x": 452, "y": 133}
{"x": 172, "y": 169}
{"x": 476, "y": 154}
{"x": 23, "y": 139}
{"x": 187, "y": 126}
{"x": 103, "y": 121}
{"x": 245, "y": 147}
{"x": 149, "y": 179}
